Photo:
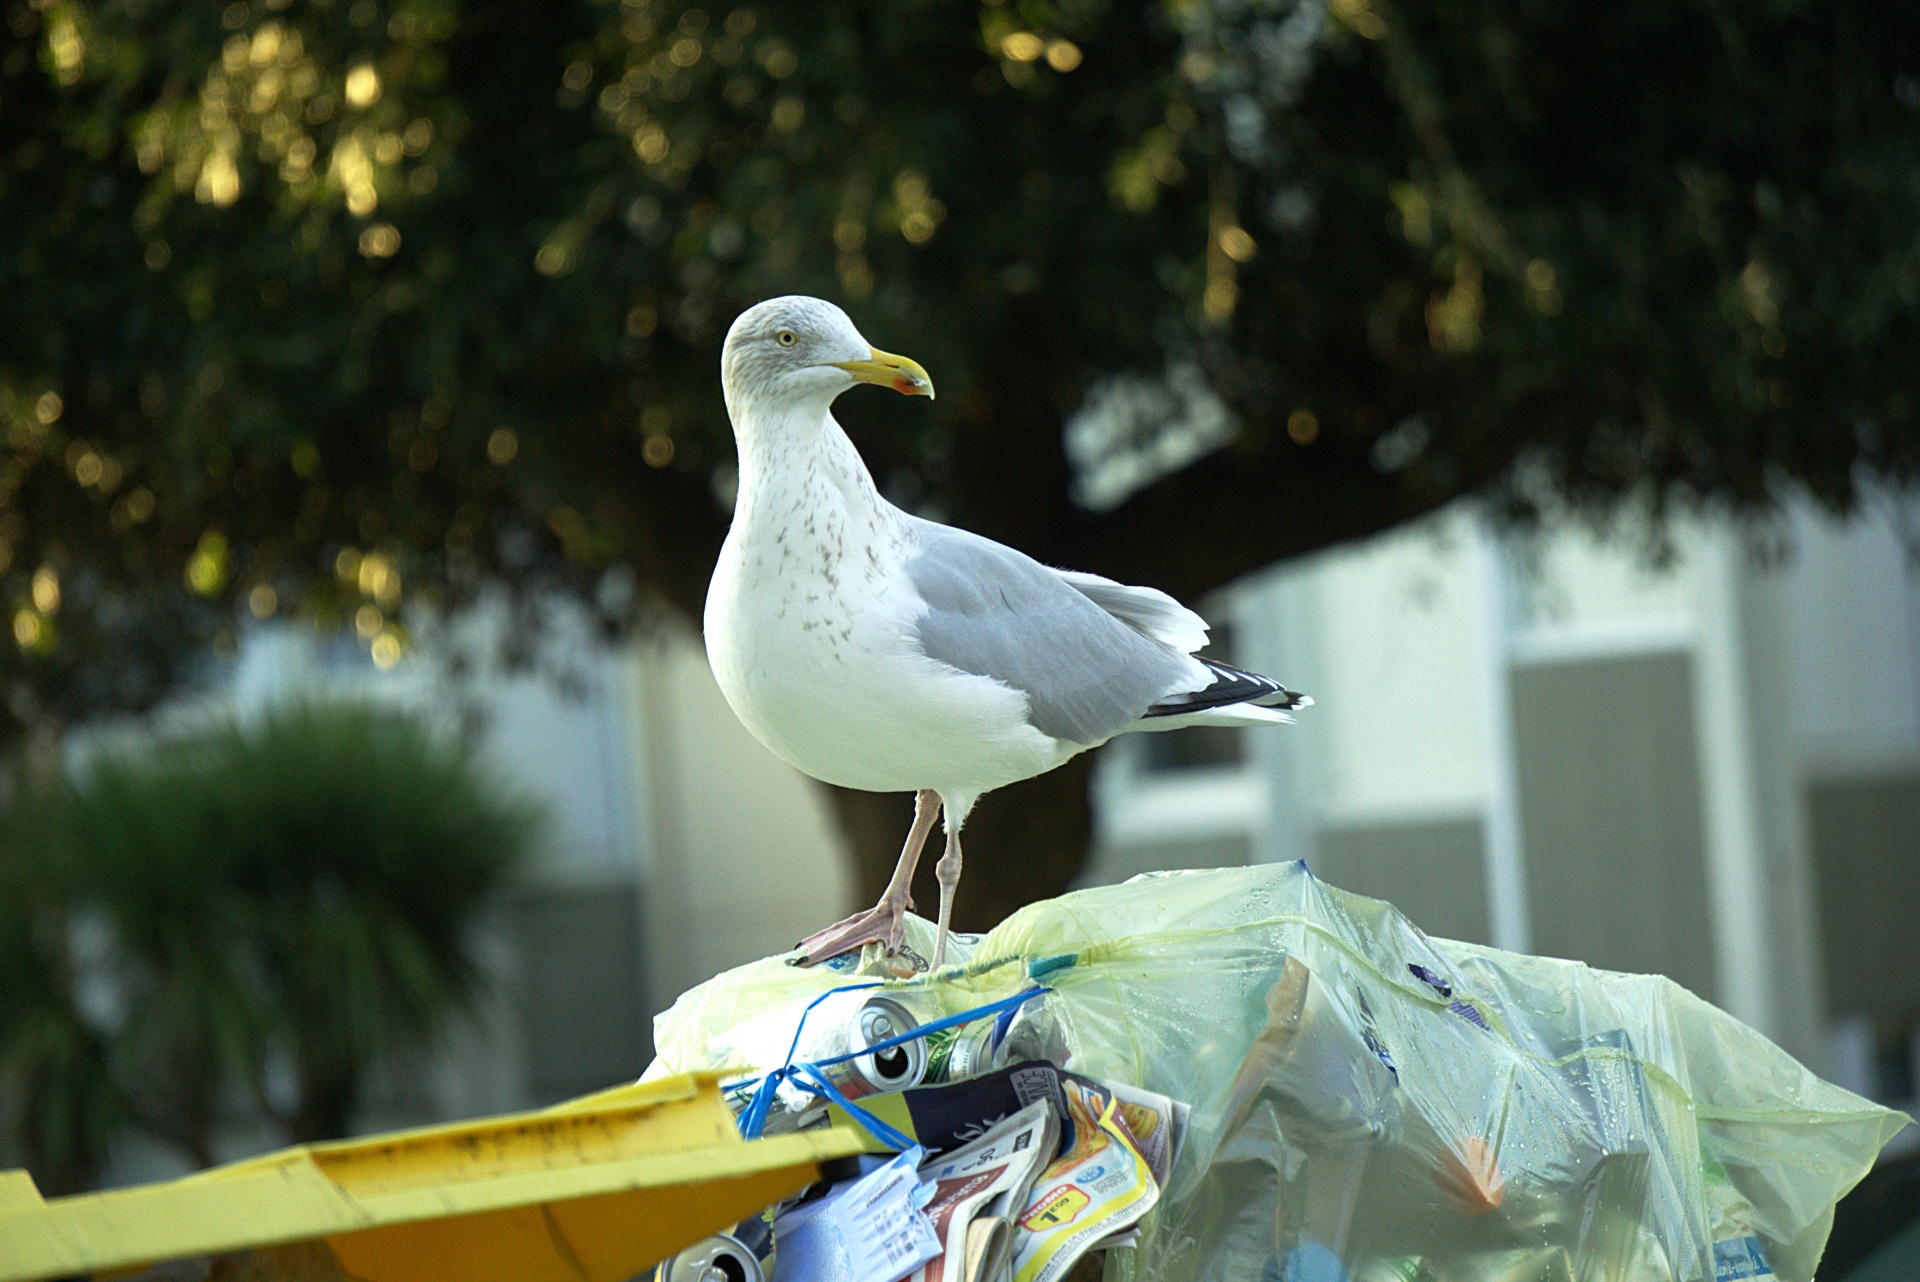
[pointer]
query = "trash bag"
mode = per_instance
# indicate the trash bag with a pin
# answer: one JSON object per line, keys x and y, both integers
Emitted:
{"x": 1369, "y": 1104}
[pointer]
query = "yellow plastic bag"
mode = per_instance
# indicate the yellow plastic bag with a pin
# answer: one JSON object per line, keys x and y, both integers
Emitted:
{"x": 1371, "y": 1105}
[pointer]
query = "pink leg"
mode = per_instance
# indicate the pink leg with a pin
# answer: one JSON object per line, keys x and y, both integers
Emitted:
{"x": 883, "y": 921}
{"x": 947, "y": 871}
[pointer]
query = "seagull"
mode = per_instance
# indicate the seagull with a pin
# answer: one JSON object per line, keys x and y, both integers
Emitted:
{"x": 873, "y": 649}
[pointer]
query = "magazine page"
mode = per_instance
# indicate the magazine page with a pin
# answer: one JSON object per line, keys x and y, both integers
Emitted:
{"x": 1156, "y": 1123}
{"x": 995, "y": 1171}
{"x": 1101, "y": 1186}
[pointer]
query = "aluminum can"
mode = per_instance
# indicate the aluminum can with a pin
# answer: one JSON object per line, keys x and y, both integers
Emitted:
{"x": 847, "y": 1023}
{"x": 720, "y": 1258}
{"x": 955, "y": 1054}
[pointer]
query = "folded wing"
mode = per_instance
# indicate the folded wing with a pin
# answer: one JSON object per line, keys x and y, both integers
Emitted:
{"x": 1148, "y": 609}
{"x": 995, "y": 612}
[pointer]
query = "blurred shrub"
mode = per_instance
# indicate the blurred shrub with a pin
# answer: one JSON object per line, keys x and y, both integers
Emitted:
{"x": 59, "y": 1104}
{"x": 188, "y": 930}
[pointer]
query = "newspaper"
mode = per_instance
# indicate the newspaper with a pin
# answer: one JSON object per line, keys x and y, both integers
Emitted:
{"x": 939, "y": 1118}
{"x": 1098, "y": 1188}
{"x": 990, "y": 1242}
{"x": 1099, "y": 1199}
{"x": 1157, "y": 1125}
{"x": 987, "y": 1180}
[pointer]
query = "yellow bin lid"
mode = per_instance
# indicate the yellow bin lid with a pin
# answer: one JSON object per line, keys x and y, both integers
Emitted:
{"x": 593, "y": 1190}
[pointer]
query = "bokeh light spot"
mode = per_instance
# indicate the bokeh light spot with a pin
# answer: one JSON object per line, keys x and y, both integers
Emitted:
{"x": 46, "y": 590}
{"x": 1022, "y": 46}
{"x": 363, "y": 86}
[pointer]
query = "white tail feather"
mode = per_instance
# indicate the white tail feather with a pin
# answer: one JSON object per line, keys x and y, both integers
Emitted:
{"x": 1230, "y": 714}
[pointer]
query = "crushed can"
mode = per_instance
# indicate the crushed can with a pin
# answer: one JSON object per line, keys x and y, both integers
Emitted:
{"x": 1034, "y": 1033}
{"x": 848, "y": 1023}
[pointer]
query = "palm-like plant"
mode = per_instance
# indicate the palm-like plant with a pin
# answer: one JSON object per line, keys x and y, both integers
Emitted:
{"x": 365, "y": 849}
{"x": 302, "y": 891}
{"x": 141, "y": 841}
{"x": 61, "y": 1104}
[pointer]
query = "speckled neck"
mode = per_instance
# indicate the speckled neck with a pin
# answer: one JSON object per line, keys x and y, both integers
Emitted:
{"x": 805, "y": 493}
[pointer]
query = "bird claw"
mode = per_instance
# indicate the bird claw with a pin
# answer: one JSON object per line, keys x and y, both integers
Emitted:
{"x": 883, "y": 923}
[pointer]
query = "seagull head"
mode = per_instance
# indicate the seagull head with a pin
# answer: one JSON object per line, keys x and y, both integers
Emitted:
{"x": 796, "y": 349}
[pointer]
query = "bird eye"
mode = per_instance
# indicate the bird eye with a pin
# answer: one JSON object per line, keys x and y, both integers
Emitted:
{"x": 786, "y": 338}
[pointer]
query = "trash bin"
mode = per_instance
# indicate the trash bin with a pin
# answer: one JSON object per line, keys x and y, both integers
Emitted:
{"x": 594, "y": 1190}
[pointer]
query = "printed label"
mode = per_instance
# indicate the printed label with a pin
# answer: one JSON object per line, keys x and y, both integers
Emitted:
{"x": 1741, "y": 1260}
{"x": 1059, "y": 1209}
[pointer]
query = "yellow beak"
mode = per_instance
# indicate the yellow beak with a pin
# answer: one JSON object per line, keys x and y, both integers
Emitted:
{"x": 902, "y": 373}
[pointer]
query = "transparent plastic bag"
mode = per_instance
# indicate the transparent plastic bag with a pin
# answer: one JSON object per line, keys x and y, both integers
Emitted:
{"x": 1374, "y": 1105}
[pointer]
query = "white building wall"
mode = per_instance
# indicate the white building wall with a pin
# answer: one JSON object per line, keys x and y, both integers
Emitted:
{"x": 1856, "y": 646}
{"x": 1803, "y": 662}
{"x": 745, "y": 854}
{"x": 1395, "y": 633}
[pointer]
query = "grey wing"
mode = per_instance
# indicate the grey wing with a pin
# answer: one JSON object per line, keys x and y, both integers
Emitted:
{"x": 1148, "y": 609}
{"x": 995, "y": 612}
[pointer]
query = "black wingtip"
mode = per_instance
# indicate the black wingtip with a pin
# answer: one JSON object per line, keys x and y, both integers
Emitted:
{"x": 1231, "y": 685}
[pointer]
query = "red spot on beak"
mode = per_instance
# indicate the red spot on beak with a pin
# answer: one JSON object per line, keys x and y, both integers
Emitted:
{"x": 903, "y": 385}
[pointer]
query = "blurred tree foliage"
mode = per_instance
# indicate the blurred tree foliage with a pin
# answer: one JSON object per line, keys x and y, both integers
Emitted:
{"x": 349, "y": 306}
{"x": 244, "y": 921}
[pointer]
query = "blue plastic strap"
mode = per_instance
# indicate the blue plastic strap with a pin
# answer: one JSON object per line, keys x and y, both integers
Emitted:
{"x": 823, "y": 1085}
{"x": 754, "y": 1120}
{"x": 1003, "y": 1008}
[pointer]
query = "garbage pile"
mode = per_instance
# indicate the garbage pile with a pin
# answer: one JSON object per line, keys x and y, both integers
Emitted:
{"x": 985, "y": 1173}
{"x": 1246, "y": 1075}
